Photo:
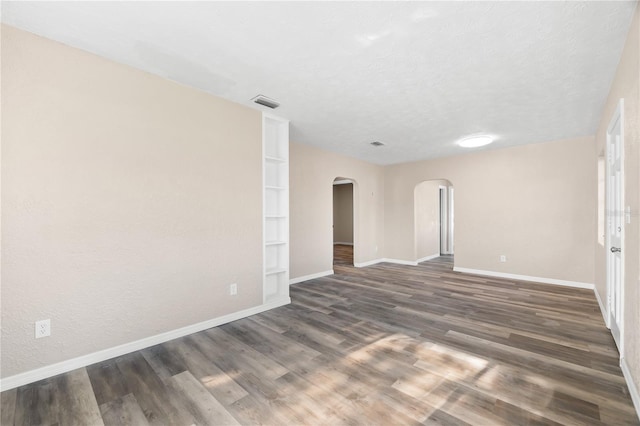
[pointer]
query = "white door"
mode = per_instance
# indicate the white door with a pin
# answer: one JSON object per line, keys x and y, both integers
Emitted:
{"x": 615, "y": 225}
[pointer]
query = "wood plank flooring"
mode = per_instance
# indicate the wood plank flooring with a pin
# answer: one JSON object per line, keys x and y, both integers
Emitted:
{"x": 382, "y": 345}
{"x": 342, "y": 254}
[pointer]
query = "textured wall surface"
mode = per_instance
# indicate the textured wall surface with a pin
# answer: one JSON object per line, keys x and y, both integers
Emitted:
{"x": 311, "y": 190}
{"x": 129, "y": 203}
{"x": 535, "y": 204}
{"x": 626, "y": 86}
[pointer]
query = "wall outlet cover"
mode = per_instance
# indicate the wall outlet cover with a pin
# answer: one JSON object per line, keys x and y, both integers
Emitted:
{"x": 43, "y": 328}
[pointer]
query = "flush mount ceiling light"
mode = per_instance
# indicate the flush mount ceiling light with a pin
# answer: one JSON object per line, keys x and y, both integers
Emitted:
{"x": 263, "y": 100}
{"x": 377, "y": 143}
{"x": 475, "y": 141}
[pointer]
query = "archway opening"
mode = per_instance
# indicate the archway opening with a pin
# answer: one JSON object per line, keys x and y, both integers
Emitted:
{"x": 434, "y": 220}
{"x": 343, "y": 221}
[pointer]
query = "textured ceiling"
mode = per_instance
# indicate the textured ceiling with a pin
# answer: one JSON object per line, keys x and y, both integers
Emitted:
{"x": 417, "y": 76}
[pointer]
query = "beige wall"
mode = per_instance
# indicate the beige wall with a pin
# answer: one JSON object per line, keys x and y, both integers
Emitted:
{"x": 119, "y": 219}
{"x": 626, "y": 85}
{"x": 533, "y": 203}
{"x": 427, "y": 219}
{"x": 541, "y": 216}
{"x": 118, "y": 214}
{"x": 312, "y": 172}
{"x": 343, "y": 213}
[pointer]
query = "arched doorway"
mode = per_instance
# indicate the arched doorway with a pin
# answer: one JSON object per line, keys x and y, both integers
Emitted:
{"x": 433, "y": 216}
{"x": 343, "y": 221}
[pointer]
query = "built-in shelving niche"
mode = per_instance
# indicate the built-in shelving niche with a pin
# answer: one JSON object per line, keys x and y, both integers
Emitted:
{"x": 275, "y": 140}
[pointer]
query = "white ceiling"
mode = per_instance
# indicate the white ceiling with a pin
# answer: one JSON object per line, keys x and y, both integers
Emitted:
{"x": 417, "y": 76}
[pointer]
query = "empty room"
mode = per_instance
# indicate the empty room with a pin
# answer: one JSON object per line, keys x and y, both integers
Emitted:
{"x": 320, "y": 213}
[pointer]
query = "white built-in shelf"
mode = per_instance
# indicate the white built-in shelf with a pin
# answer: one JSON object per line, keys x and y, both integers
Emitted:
{"x": 275, "y": 146}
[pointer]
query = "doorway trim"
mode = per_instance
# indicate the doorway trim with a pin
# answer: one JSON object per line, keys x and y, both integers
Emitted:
{"x": 342, "y": 180}
{"x": 445, "y": 195}
{"x": 617, "y": 119}
{"x": 445, "y": 217}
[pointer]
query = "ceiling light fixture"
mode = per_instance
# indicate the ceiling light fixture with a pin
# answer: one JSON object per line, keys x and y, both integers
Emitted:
{"x": 475, "y": 141}
{"x": 377, "y": 143}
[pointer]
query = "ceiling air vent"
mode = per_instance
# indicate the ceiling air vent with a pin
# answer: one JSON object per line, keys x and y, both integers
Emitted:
{"x": 263, "y": 100}
{"x": 377, "y": 143}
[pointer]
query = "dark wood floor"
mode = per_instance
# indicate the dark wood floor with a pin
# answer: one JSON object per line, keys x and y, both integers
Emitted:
{"x": 342, "y": 254}
{"x": 382, "y": 345}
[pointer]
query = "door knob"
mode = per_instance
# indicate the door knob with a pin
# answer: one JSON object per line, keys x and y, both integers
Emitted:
{"x": 615, "y": 250}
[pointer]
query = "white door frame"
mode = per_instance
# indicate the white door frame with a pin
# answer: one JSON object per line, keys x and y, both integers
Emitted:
{"x": 445, "y": 197}
{"x": 442, "y": 205}
{"x": 451, "y": 220}
{"x": 354, "y": 230}
{"x": 612, "y": 210}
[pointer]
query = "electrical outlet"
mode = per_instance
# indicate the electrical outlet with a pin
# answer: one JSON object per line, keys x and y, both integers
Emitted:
{"x": 503, "y": 258}
{"x": 233, "y": 289}
{"x": 43, "y": 328}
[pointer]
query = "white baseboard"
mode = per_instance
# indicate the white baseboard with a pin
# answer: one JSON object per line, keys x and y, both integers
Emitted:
{"x": 603, "y": 311}
{"x": 424, "y": 259}
{"x": 387, "y": 260}
{"x": 633, "y": 388}
{"x": 342, "y": 244}
{"x": 526, "y": 278}
{"x": 105, "y": 354}
{"x": 367, "y": 263}
{"x": 401, "y": 262}
{"x": 310, "y": 277}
